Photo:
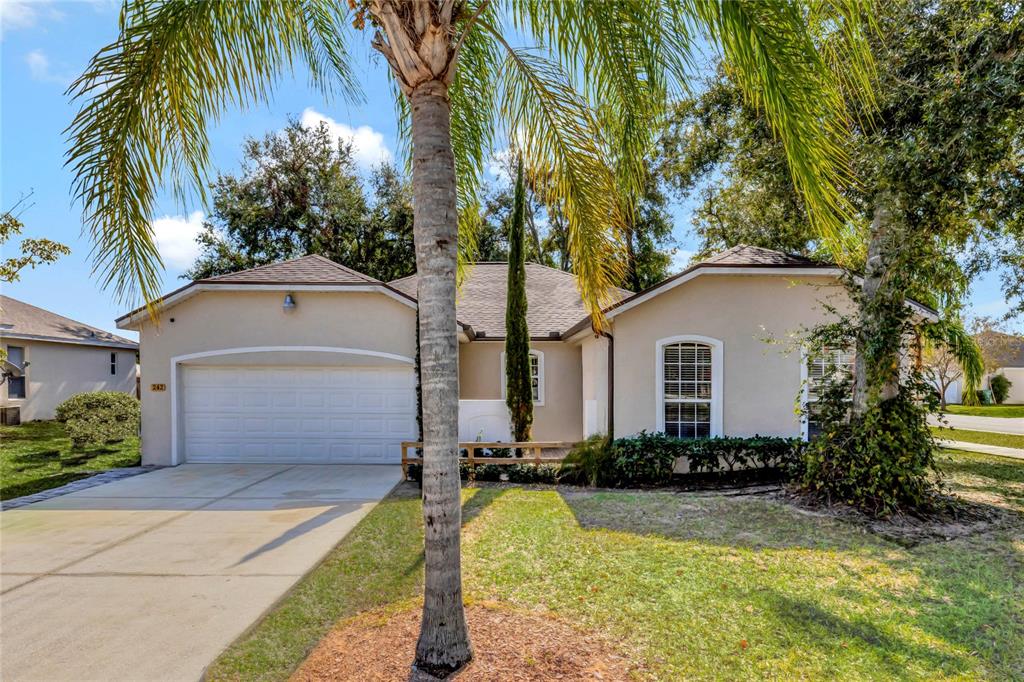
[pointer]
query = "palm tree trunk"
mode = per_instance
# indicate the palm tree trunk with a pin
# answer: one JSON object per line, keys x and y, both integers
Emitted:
{"x": 443, "y": 645}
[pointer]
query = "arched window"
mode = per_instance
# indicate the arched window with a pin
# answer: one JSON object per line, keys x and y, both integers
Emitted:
{"x": 690, "y": 387}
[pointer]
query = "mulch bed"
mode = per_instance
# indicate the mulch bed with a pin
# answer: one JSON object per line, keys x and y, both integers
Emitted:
{"x": 508, "y": 645}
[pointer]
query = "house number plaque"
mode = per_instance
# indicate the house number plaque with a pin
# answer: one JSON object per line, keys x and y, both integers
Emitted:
{"x": 158, "y": 387}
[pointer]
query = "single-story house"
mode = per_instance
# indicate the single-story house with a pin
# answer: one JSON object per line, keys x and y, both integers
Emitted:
{"x": 51, "y": 358}
{"x": 1007, "y": 354}
{"x": 309, "y": 361}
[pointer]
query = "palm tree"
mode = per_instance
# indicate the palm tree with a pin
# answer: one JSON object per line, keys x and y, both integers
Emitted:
{"x": 587, "y": 99}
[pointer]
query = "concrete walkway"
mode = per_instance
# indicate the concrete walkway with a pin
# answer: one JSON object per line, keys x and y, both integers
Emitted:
{"x": 151, "y": 577}
{"x": 1015, "y": 453}
{"x": 969, "y": 423}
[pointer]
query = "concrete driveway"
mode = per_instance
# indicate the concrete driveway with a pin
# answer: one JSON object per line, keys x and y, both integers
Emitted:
{"x": 150, "y": 577}
{"x": 972, "y": 423}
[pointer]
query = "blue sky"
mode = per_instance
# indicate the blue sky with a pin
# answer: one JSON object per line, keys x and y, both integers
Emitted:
{"x": 44, "y": 45}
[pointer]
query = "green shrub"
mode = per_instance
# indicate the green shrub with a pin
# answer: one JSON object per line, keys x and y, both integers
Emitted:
{"x": 1000, "y": 386}
{"x": 99, "y": 417}
{"x": 645, "y": 459}
{"x": 513, "y": 473}
{"x": 718, "y": 455}
{"x": 985, "y": 396}
{"x": 880, "y": 462}
{"x": 588, "y": 463}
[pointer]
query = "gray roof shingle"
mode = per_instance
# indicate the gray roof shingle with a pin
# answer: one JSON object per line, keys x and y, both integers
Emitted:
{"x": 22, "y": 320}
{"x": 743, "y": 255}
{"x": 552, "y": 299}
{"x": 312, "y": 269}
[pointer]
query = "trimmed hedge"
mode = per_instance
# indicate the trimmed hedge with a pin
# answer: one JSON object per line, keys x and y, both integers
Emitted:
{"x": 516, "y": 473}
{"x": 99, "y": 417}
{"x": 648, "y": 459}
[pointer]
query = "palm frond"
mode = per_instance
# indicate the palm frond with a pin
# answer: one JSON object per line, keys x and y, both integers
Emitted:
{"x": 772, "y": 53}
{"x": 148, "y": 98}
{"x": 555, "y": 130}
{"x": 474, "y": 110}
{"x": 627, "y": 57}
{"x": 954, "y": 337}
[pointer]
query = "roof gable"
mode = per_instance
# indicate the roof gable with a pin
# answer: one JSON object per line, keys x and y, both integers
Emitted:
{"x": 312, "y": 269}
{"x": 22, "y": 320}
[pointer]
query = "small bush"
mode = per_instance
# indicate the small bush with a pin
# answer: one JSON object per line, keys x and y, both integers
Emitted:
{"x": 985, "y": 396}
{"x": 99, "y": 417}
{"x": 645, "y": 459}
{"x": 716, "y": 455}
{"x": 588, "y": 463}
{"x": 1000, "y": 386}
{"x": 514, "y": 473}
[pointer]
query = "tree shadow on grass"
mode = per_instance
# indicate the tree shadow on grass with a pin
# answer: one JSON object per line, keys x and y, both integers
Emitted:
{"x": 832, "y": 633}
{"x": 746, "y": 522}
{"x": 43, "y": 483}
{"x": 472, "y": 507}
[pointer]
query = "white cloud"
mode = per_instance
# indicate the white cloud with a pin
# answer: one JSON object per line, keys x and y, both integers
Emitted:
{"x": 681, "y": 259}
{"x": 17, "y": 14}
{"x": 368, "y": 148}
{"x": 39, "y": 67}
{"x": 176, "y": 238}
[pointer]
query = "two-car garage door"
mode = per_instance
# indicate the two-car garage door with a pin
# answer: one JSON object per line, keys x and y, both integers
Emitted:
{"x": 309, "y": 415}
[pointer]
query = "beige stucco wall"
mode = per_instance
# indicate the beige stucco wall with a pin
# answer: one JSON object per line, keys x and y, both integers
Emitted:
{"x": 561, "y": 415}
{"x": 594, "y": 360}
{"x": 1016, "y": 377}
{"x": 61, "y": 370}
{"x": 761, "y": 381}
{"x": 217, "y": 320}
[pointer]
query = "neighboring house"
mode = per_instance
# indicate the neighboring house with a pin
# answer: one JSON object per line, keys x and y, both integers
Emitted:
{"x": 1007, "y": 353}
{"x": 59, "y": 358}
{"x": 309, "y": 361}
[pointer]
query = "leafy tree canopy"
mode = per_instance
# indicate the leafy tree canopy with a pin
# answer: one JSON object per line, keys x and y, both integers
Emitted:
{"x": 944, "y": 139}
{"x": 299, "y": 193}
{"x": 649, "y": 244}
{"x": 33, "y": 251}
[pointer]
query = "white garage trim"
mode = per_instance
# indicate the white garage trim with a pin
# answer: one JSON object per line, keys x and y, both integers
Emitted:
{"x": 178, "y": 359}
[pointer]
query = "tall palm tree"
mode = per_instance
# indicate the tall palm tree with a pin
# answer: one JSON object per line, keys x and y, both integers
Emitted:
{"x": 587, "y": 98}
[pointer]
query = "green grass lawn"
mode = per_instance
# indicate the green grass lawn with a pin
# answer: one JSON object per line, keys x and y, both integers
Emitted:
{"x": 1007, "y": 440}
{"x": 37, "y": 455}
{"x": 696, "y": 586}
{"x": 1011, "y": 411}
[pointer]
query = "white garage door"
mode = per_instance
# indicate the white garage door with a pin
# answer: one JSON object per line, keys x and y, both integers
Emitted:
{"x": 304, "y": 415}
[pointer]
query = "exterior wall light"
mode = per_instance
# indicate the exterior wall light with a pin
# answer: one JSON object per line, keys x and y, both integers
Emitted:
{"x": 289, "y": 303}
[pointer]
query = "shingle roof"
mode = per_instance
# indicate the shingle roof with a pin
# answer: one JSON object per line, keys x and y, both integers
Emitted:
{"x": 743, "y": 255}
{"x": 1006, "y": 350}
{"x": 313, "y": 269}
{"x": 552, "y": 299}
{"x": 21, "y": 320}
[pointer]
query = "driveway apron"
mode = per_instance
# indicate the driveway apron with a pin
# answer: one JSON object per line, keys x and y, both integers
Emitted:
{"x": 151, "y": 577}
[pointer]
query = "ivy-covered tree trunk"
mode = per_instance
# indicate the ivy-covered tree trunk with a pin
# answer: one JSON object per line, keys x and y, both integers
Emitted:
{"x": 877, "y": 361}
{"x": 518, "y": 385}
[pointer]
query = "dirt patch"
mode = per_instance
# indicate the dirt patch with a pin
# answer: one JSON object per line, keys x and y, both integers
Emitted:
{"x": 949, "y": 518}
{"x": 508, "y": 645}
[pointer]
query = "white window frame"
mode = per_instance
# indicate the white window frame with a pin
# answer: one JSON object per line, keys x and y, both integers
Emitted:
{"x": 113, "y": 363}
{"x": 805, "y": 388}
{"x": 717, "y": 378}
{"x": 540, "y": 376}
{"x": 24, "y": 373}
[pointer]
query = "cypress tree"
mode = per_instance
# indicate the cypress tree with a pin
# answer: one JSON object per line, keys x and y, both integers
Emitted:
{"x": 518, "y": 388}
